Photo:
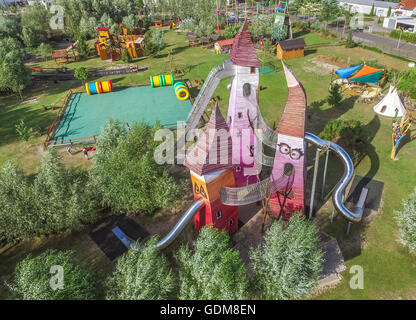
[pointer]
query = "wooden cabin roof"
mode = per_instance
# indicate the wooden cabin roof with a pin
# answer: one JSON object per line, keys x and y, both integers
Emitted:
{"x": 293, "y": 44}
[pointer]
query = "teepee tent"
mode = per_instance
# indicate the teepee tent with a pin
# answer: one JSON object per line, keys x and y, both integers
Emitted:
{"x": 390, "y": 104}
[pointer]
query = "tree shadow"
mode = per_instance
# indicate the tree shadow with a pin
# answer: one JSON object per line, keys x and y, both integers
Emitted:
{"x": 310, "y": 51}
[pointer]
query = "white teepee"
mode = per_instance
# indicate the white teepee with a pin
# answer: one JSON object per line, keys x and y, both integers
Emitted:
{"x": 390, "y": 104}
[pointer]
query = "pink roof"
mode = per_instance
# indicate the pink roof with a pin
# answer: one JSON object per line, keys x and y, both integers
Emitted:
{"x": 198, "y": 159}
{"x": 243, "y": 53}
{"x": 102, "y": 29}
{"x": 225, "y": 42}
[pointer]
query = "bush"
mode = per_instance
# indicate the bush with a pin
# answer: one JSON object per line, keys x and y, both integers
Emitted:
{"x": 350, "y": 42}
{"x": 126, "y": 57}
{"x": 348, "y": 129}
{"x": 406, "y": 219}
{"x": 405, "y": 36}
{"x": 24, "y": 132}
{"x": 141, "y": 274}
{"x": 335, "y": 96}
{"x": 125, "y": 175}
{"x": 289, "y": 263}
{"x": 231, "y": 31}
{"x": 33, "y": 278}
{"x": 212, "y": 270}
{"x": 82, "y": 73}
{"x": 408, "y": 83}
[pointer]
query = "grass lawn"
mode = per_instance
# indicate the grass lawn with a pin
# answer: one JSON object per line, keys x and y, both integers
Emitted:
{"x": 389, "y": 270}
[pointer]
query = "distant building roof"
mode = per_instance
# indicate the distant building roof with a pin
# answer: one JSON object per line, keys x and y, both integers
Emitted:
{"x": 242, "y": 52}
{"x": 102, "y": 29}
{"x": 407, "y": 4}
{"x": 226, "y": 42}
{"x": 378, "y": 4}
{"x": 293, "y": 44}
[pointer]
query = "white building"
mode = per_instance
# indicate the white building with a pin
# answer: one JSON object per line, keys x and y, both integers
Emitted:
{"x": 45, "y": 3}
{"x": 381, "y": 8}
{"x": 406, "y": 23}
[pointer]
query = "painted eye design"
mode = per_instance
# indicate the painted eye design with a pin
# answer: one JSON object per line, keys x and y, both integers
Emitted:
{"x": 296, "y": 154}
{"x": 284, "y": 148}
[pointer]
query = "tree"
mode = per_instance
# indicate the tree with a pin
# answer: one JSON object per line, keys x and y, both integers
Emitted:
{"x": 44, "y": 50}
{"x": 88, "y": 27}
{"x": 231, "y": 31}
{"x": 83, "y": 47}
{"x": 372, "y": 11}
{"x": 82, "y": 73}
{"x": 212, "y": 270}
{"x": 288, "y": 264}
{"x": 126, "y": 56}
{"x": 335, "y": 96}
{"x": 141, "y": 274}
{"x": 261, "y": 26}
{"x": 406, "y": 219}
{"x": 389, "y": 12}
{"x": 130, "y": 22}
{"x": 154, "y": 41}
{"x": 24, "y": 132}
{"x": 13, "y": 73}
{"x": 35, "y": 22}
{"x": 32, "y": 278}
{"x": 60, "y": 200}
{"x": 350, "y": 42}
{"x": 9, "y": 27}
{"x": 15, "y": 204}
{"x": 126, "y": 177}
{"x": 330, "y": 10}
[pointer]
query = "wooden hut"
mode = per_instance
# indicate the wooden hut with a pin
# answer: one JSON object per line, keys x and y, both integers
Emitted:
{"x": 224, "y": 46}
{"x": 290, "y": 49}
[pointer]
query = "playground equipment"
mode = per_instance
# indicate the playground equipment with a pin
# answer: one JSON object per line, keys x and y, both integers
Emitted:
{"x": 99, "y": 87}
{"x": 400, "y": 129}
{"x": 181, "y": 91}
{"x": 110, "y": 46}
{"x": 61, "y": 56}
{"x": 162, "y": 80}
{"x": 390, "y": 105}
{"x": 221, "y": 186}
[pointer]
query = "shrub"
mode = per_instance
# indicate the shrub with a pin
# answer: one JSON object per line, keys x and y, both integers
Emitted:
{"x": 24, "y": 132}
{"x": 231, "y": 31}
{"x": 82, "y": 73}
{"x": 125, "y": 56}
{"x": 350, "y": 42}
{"x": 335, "y": 96}
{"x": 406, "y": 219}
{"x": 141, "y": 274}
{"x": 404, "y": 36}
{"x": 126, "y": 177}
{"x": 212, "y": 270}
{"x": 288, "y": 264}
{"x": 33, "y": 278}
{"x": 349, "y": 129}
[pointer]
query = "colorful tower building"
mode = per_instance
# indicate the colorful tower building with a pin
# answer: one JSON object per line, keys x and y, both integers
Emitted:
{"x": 290, "y": 156}
{"x": 243, "y": 106}
{"x": 210, "y": 163}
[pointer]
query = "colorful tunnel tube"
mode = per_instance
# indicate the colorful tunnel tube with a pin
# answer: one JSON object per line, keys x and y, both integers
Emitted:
{"x": 181, "y": 91}
{"x": 99, "y": 87}
{"x": 162, "y": 80}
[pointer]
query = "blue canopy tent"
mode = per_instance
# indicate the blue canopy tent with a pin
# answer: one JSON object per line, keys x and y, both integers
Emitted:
{"x": 346, "y": 72}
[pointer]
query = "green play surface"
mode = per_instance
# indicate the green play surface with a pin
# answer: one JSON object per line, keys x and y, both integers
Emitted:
{"x": 86, "y": 115}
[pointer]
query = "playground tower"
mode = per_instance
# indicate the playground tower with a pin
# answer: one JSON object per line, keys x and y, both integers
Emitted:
{"x": 243, "y": 106}
{"x": 210, "y": 164}
{"x": 290, "y": 156}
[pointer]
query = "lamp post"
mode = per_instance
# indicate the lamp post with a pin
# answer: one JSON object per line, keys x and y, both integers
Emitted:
{"x": 400, "y": 37}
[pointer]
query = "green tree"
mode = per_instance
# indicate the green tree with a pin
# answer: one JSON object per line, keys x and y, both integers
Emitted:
{"x": 32, "y": 278}
{"x": 330, "y": 10}
{"x": 350, "y": 42}
{"x": 141, "y": 274}
{"x": 13, "y": 73}
{"x": 231, "y": 31}
{"x": 88, "y": 27}
{"x": 261, "y": 26}
{"x": 288, "y": 264}
{"x": 35, "y": 21}
{"x": 83, "y": 48}
{"x": 372, "y": 11}
{"x": 212, "y": 270}
{"x": 82, "y": 73}
{"x": 389, "y": 12}
{"x": 126, "y": 56}
{"x": 335, "y": 96}
{"x": 59, "y": 199}
{"x": 127, "y": 178}
{"x": 130, "y": 22}
{"x": 9, "y": 27}
{"x": 15, "y": 204}
{"x": 44, "y": 50}
{"x": 406, "y": 219}
{"x": 24, "y": 132}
